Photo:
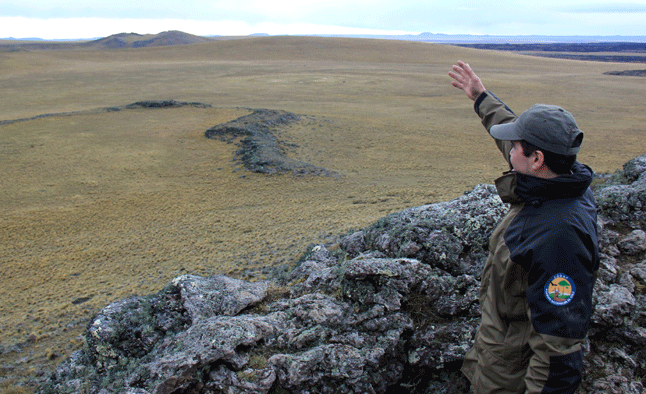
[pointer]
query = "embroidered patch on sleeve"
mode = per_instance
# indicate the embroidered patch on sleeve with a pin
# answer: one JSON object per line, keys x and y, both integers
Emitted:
{"x": 560, "y": 289}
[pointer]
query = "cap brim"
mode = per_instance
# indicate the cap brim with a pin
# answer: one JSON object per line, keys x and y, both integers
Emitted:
{"x": 505, "y": 132}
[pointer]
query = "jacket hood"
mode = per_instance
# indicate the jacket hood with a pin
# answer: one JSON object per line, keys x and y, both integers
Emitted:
{"x": 514, "y": 187}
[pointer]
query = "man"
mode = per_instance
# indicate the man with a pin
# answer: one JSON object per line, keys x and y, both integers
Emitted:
{"x": 536, "y": 287}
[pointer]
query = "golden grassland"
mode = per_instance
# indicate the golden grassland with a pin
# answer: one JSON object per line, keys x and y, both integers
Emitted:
{"x": 98, "y": 206}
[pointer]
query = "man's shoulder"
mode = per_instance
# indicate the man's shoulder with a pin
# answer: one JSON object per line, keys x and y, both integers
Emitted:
{"x": 567, "y": 211}
{"x": 555, "y": 219}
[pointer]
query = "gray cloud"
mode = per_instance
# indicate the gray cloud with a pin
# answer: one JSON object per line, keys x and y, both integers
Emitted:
{"x": 496, "y": 17}
{"x": 607, "y": 8}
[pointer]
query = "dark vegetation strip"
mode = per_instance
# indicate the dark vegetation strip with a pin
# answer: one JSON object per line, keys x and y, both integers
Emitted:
{"x": 619, "y": 47}
{"x": 628, "y": 73}
{"x": 138, "y": 104}
{"x": 593, "y": 58}
{"x": 260, "y": 150}
{"x": 626, "y": 52}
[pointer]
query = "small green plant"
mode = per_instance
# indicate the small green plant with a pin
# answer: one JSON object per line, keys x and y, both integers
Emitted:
{"x": 258, "y": 361}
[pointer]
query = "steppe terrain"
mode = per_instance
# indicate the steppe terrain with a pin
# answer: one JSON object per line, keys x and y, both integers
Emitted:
{"x": 98, "y": 205}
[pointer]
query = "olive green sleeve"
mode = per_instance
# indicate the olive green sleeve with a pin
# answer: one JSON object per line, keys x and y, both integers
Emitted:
{"x": 493, "y": 111}
{"x": 555, "y": 366}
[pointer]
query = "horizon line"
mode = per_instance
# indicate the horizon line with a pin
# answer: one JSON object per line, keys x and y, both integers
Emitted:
{"x": 440, "y": 37}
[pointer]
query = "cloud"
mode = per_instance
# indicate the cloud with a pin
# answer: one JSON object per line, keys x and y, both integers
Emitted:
{"x": 83, "y": 19}
{"x": 85, "y": 28}
{"x": 607, "y": 8}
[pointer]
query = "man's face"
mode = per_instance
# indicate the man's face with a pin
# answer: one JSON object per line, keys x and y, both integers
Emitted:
{"x": 519, "y": 162}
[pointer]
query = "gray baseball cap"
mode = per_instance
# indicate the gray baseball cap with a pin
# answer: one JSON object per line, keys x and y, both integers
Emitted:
{"x": 548, "y": 127}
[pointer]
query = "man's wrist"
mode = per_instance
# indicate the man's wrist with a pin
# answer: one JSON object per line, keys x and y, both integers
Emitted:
{"x": 478, "y": 101}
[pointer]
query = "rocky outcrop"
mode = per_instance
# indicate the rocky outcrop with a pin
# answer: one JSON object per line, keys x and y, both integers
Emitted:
{"x": 163, "y": 104}
{"x": 394, "y": 310}
{"x": 452, "y": 235}
{"x": 623, "y": 200}
{"x": 259, "y": 149}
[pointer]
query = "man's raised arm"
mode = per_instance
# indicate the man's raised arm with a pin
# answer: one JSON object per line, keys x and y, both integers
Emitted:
{"x": 492, "y": 110}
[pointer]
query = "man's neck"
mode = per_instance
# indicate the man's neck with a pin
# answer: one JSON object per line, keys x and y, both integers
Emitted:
{"x": 544, "y": 172}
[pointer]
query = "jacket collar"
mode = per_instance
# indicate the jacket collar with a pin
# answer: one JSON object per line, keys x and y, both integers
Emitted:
{"x": 514, "y": 187}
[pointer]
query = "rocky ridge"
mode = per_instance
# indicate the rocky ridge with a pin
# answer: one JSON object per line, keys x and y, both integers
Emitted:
{"x": 394, "y": 310}
{"x": 260, "y": 150}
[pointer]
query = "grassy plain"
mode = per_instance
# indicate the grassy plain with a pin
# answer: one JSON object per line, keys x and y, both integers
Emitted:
{"x": 98, "y": 206}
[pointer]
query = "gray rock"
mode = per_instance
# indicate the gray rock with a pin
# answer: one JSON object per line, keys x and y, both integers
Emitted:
{"x": 634, "y": 243}
{"x": 613, "y": 305}
{"x": 624, "y": 200}
{"x": 608, "y": 269}
{"x": 452, "y": 236}
{"x": 354, "y": 243}
{"x": 320, "y": 272}
{"x": 217, "y": 295}
{"x": 177, "y": 362}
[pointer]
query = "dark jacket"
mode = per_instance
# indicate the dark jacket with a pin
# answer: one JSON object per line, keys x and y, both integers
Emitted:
{"x": 536, "y": 288}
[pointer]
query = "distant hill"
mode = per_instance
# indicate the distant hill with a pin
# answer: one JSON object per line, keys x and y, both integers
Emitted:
{"x": 115, "y": 41}
{"x": 134, "y": 40}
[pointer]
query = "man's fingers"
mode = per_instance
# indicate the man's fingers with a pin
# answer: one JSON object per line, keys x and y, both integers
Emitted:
{"x": 462, "y": 71}
{"x": 458, "y": 69}
{"x": 457, "y": 75}
{"x": 459, "y": 80}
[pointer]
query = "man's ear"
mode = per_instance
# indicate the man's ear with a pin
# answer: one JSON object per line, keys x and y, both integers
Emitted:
{"x": 538, "y": 160}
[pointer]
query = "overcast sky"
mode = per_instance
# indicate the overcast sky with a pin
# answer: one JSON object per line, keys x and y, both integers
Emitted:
{"x": 60, "y": 19}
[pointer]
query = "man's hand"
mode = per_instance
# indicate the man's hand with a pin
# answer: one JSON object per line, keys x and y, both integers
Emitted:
{"x": 466, "y": 80}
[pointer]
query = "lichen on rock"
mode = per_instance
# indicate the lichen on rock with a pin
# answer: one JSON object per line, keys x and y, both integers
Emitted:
{"x": 452, "y": 235}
